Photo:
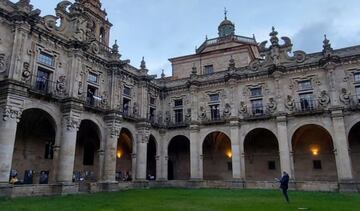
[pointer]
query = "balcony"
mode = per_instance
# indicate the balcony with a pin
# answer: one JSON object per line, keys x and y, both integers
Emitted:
{"x": 42, "y": 86}
{"x": 305, "y": 107}
{"x": 258, "y": 112}
{"x": 94, "y": 103}
{"x": 174, "y": 124}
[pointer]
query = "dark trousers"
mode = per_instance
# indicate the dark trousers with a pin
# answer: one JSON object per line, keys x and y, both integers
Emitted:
{"x": 285, "y": 193}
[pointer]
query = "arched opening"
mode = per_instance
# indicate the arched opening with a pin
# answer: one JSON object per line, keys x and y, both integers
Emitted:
{"x": 86, "y": 166}
{"x": 124, "y": 156}
{"x": 354, "y": 145}
{"x": 314, "y": 158}
{"x": 151, "y": 159}
{"x": 102, "y": 35}
{"x": 262, "y": 162}
{"x": 33, "y": 152}
{"x": 179, "y": 158}
{"x": 217, "y": 154}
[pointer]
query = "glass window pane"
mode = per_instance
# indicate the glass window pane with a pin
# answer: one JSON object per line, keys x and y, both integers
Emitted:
{"x": 208, "y": 69}
{"x": 178, "y": 103}
{"x": 46, "y": 59}
{"x": 256, "y": 92}
{"x": 357, "y": 77}
{"x": 93, "y": 78}
{"x": 127, "y": 91}
{"x": 214, "y": 98}
{"x": 305, "y": 85}
{"x": 257, "y": 106}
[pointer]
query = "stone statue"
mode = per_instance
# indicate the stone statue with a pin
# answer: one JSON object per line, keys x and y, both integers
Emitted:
{"x": 290, "y": 103}
{"x": 202, "y": 114}
{"x": 243, "y": 108}
{"x": 272, "y": 105}
{"x": 227, "y": 110}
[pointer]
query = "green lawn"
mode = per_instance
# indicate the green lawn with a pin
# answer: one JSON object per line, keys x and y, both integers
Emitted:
{"x": 188, "y": 199}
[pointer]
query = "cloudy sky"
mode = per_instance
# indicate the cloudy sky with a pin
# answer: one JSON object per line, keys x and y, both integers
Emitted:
{"x": 161, "y": 29}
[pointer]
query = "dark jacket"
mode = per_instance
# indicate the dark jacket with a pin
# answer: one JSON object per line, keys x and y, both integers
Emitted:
{"x": 284, "y": 182}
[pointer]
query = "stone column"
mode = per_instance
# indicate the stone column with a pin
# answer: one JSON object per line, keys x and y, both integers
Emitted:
{"x": 343, "y": 162}
{"x": 55, "y": 163}
{"x": 161, "y": 162}
{"x": 101, "y": 154}
{"x": 196, "y": 165}
{"x": 242, "y": 154}
{"x": 142, "y": 142}
{"x": 284, "y": 149}
{"x": 235, "y": 148}
{"x": 113, "y": 122}
{"x": 8, "y": 124}
{"x": 67, "y": 149}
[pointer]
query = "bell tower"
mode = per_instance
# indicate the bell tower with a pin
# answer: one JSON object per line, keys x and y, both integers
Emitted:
{"x": 97, "y": 20}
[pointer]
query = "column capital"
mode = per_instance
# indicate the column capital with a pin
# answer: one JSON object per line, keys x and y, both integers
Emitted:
{"x": 11, "y": 113}
{"x": 337, "y": 113}
{"x": 281, "y": 118}
{"x": 113, "y": 123}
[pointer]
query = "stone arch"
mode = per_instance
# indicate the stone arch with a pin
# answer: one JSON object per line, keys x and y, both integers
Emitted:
{"x": 179, "y": 158}
{"x": 354, "y": 146}
{"x": 33, "y": 150}
{"x": 97, "y": 120}
{"x": 313, "y": 154}
{"x": 124, "y": 155}
{"x": 88, "y": 151}
{"x": 294, "y": 126}
{"x": 173, "y": 134}
{"x": 261, "y": 150}
{"x": 217, "y": 154}
{"x": 205, "y": 132}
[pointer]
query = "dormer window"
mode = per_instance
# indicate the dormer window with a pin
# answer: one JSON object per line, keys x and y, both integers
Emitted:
{"x": 92, "y": 78}
{"x": 256, "y": 92}
{"x": 305, "y": 85}
{"x": 46, "y": 59}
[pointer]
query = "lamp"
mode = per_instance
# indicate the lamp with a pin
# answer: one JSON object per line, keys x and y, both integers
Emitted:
{"x": 229, "y": 153}
{"x": 118, "y": 154}
{"x": 314, "y": 150}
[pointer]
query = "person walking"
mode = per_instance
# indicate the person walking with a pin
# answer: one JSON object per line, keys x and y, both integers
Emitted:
{"x": 284, "y": 185}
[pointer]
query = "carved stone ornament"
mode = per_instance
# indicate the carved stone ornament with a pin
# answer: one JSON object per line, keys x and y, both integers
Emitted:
{"x": 114, "y": 132}
{"x": 227, "y": 110}
{"x": 2, "y": 63}
{"x": 95, "y": 48}
{"x": 345, "y": 96}
{"x": 324, "y": 99}
{"x": 272, "y": 105}
{"x": 71, "y": 124}
{"x": 202, "y": 114}
{"x": 11, "y": 113}
{"x": 188, "y": 115}
{"x": 290, "y": 103}
{"x": 243, "y": 108}
{"x": 26, "y": 73}
{"x": 167, "y": 116}
{"x": 60, "y": 85}
{"x": 80, "y": 89}
{"x": 136, "y": 109}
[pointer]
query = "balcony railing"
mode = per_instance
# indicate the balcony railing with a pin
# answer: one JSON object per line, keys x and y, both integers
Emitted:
{"x": 94, "y": 102}
{"x": 42, "y": 85}
{"x": 307, "y": 106}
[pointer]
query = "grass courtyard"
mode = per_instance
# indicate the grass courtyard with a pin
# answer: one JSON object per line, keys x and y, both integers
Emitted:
{"x": 188, "y": 199}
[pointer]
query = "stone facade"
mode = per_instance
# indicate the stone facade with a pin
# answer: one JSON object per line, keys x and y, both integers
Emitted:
{"x": 234, "y": 114}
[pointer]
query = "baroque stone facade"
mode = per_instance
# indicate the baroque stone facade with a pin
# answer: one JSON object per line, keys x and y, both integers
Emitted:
{"x": 236, "y": 113}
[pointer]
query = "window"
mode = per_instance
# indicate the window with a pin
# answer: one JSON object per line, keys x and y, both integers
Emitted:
{"x": 317, "y": 164}
{"x": 179, "y": 118}
{"x": 271, "y": 165}
{"x": 306, "y": 101}
{"x": 357, "y": 91}
{"x": 49, "y": 151}
{"x": 305, "y": 85}
{"x": 214, "y": 98}
{"x": 208, "y": 69}
{"x": 91, "y": 93}
{"x": 42, "y": 80}
{"x": 257, "y": 107}
{"x": 127, "y": 91}
{"x": 126, "y": 106}
{"x": 152, "y": 114}
{"x": 92, "y": 78}
{"x": 46, "y": 59}
{"x": 256, "y": 92}
{"x": 178, "y": 103}
{"x": 215, "y": 112}
{"x": 357, "y": 77}
{"x": 152, "y": 101}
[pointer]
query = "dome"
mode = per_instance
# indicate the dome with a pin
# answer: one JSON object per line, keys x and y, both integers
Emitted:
{"x": 226, "y": 28}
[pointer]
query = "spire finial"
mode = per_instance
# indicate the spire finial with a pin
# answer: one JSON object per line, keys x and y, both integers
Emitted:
{"x": 225, "y": 13}
{"x": 162, "y": 74}
{"x": 327, "y": 49}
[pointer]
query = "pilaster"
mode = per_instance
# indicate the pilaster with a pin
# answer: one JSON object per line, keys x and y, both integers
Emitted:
{"x": 284, "y": 147}
{"x": 196, "y": 161}
{"x": 142, "y": 139}
{"x": 235, "y": 148}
